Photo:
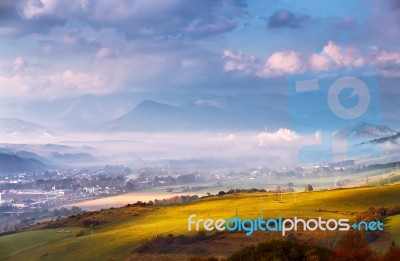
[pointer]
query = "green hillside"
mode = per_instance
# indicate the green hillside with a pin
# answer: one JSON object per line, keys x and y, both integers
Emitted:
{"x": 118, "y": 239}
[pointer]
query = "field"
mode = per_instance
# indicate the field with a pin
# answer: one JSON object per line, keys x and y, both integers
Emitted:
{"x": 121, "y": 200}
{"x": 376, "y": 178}
{"x": 118, "y": 239}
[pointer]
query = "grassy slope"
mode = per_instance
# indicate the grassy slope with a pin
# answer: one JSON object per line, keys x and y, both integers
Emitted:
{"x": 393, "y": 226}
{"x": 116, "y": 240}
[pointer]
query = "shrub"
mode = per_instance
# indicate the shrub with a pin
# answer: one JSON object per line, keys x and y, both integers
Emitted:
{"x": 392, "y": 254}
{"x": 281, "y": 250}
{"x": 353, "y": 246}
{"x": 79, "y": 233}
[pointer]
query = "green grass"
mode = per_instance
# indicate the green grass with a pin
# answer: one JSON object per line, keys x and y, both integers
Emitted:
{"x": 393, "y": 227}
{"x": 20, "y": 242}
{"x": 118, "y": 239}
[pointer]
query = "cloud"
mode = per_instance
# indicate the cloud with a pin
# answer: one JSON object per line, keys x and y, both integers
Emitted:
{"x": 277, "y": 64}
{"x": 138, "y": 18}
{"x": 19, "y": 64}
{"x": 239, "y": 61}
{"x": 103, "y": 53}
{"x": 387, "y": 63}
{"x": 150, "y": 146}
{"x": 33, "y": 80}
{"x": 332, "y": 57}
{"x": 286, "y": 19}
{"x": 14, "y": 22}
{"x": 74, "y": 66}
{"x": 281, "y": 135}
{"x": 282, "y": 62}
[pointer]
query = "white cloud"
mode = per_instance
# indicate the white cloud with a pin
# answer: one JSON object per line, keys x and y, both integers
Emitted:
{"x": 77, "y": 80}
{"x": 34, "y": 8}
{"x": 37, "y": 81}
{"x": 279, "y": 63}
{"x": 332, "y": 57}
{"x": 275, "y": 138}
{"x": 239, "y": 61}
{"x": 282, "y": 62}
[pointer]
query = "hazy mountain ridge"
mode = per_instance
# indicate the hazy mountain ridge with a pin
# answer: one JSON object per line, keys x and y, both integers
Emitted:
{"x": 13, "y": 127}
{"x": 223, "y": 114}
{"x": 50, "y": 154}
{"x": 12, "y": 163}
{"x": 365, "y": 131}
{"x": 200, "y": 111}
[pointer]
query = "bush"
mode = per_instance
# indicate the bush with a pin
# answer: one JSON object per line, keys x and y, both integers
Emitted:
{"x": 90, "y": 222}
{"x": 353, "y": 246}
{"x": 281, "y": 250}
{"x": 392, "y": 254}
{"x": 79, "y": 233}
{"x": 177, "y": 244}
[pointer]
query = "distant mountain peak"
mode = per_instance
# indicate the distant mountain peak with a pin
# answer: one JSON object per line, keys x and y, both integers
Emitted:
{"x": 13, "y": 127}
{"x": 366, "y": 131}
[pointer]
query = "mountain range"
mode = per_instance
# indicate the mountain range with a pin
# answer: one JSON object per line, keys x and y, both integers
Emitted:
{"x": 199, "y": 115}
{"x": 172, "y": 112}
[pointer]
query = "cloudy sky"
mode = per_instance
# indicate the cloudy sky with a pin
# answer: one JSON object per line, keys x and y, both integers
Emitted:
{"x": 56, "y": 50}
{"x": 53, "y": 49}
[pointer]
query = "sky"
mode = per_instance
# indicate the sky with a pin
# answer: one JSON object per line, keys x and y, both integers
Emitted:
{"x": 53, "y": 49}
{"x": 57, "y": 54}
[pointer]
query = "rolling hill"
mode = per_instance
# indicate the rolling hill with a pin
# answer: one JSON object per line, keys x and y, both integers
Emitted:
{"x": 116, "y": 240}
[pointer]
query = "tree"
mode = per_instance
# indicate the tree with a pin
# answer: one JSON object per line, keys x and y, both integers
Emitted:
{"x": 353, "y": 246}
{"x": 290, "y": 186}
{"x": 76, "y": 210}
{"x": 308, "y": 187}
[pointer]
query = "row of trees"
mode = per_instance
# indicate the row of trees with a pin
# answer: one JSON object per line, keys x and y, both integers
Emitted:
{"x": 176, "y": 200}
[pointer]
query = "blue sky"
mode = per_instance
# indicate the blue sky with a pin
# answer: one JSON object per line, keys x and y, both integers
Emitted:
{"x": 52, "y": 49}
